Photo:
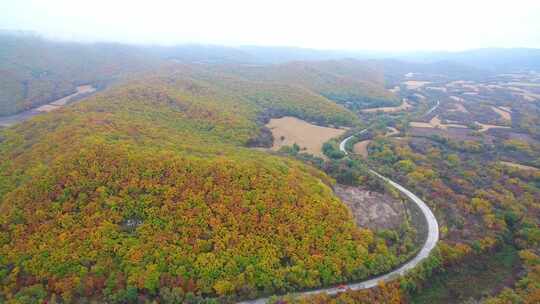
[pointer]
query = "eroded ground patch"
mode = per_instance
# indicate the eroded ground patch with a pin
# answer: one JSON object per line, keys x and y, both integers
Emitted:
{"x": 371, "y": 209}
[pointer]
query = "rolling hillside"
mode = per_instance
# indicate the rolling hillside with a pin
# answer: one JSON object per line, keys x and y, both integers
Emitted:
{"x": 357, "y": 84}
{"x": 146, "y": 190}
{"x": 35, "y": 71}
{"x": 38, "y": 71}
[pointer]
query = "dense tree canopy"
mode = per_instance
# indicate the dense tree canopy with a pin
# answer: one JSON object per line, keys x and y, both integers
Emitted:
{"x": 146, "y": 191}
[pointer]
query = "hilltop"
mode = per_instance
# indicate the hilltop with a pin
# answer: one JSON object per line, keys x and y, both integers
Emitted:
{"x": 37, "y": 71}
{"x": 147, "y": 190}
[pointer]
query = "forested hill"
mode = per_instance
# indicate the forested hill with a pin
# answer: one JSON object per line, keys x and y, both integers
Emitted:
{"x": 37, "y": 71}
{"x": 355, "y": 83}
{"x": 146, "y": 190}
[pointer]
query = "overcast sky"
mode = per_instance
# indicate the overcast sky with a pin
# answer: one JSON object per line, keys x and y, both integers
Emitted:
{"x": 333, "y": 24}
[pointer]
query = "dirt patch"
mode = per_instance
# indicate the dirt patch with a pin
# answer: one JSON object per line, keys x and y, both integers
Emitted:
{"x": 290, "y": 130}
{"x": 503, "y": 113}
{"x": 360, "y": 148}
{"x": 415, "y": 84}
{"x": 404, "y": 106}
{"x": 370, "y": 209}
{"x": 519, "y": 166}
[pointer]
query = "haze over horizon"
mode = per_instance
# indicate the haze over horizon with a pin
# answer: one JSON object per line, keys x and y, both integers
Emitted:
{"x": 347, "y": 25}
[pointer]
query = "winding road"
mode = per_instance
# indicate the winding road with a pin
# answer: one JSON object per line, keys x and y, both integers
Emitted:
{"x": 434, "y": 108}
{"x": 430, "y": 243}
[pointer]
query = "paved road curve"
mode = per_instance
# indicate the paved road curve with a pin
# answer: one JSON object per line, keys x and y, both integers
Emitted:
{"x": 431, "y": 241}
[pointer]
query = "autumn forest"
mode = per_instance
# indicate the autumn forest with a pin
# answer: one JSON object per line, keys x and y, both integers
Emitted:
{"x": 165, "y": 185}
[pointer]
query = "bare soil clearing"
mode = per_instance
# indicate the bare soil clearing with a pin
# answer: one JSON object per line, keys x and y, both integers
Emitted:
{"x": 372, "y": 209}
{"x": 404, "y": 106}
{"x": 360, "y": 148}
{"x": 290, "y": 130}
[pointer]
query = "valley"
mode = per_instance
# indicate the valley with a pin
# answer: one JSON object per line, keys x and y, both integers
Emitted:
{"x": 82, "y": 91}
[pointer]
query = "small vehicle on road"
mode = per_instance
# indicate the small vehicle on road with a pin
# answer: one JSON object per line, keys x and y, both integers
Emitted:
{"x": 342, "y": 287}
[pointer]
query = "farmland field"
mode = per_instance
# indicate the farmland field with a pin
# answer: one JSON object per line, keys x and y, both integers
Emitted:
{"x": 290, "y": 130}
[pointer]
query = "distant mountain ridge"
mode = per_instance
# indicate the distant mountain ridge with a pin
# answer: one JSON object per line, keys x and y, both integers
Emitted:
{"x": 492, "y": 59}
{"x": 36, "y": 70}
